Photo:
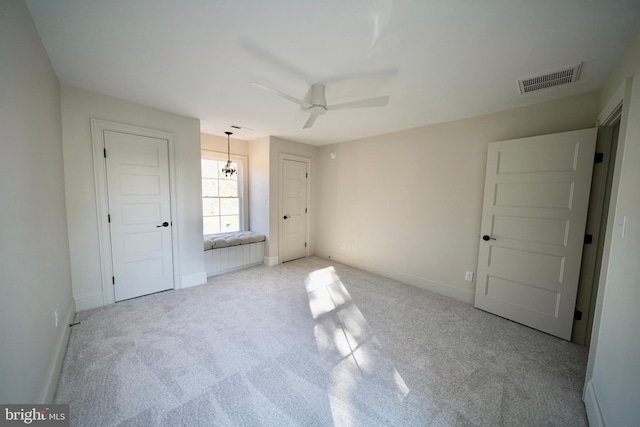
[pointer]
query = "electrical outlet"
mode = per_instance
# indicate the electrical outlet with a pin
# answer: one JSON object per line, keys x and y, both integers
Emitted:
{"x": 468, "y": 276}
{"x": 55, "y": 316}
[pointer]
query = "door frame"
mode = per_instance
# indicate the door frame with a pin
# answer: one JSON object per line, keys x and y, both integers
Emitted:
{"x": 281, "y": 158}
{"x": 601, "y": 184}
{"x": 619, "y": 100}
{"x": 98, "y": 128}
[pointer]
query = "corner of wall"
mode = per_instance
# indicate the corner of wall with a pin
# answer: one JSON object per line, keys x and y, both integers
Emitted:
{"x": 55, "y": 366}
{"x": 271, "y": 261}
{"x": 89, "y": 302}
{"x": 592, "y": 406}
{"x": 193, "y": 280}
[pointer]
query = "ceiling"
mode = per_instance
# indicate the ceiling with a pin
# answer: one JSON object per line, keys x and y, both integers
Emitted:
{"x": 437, "y": 60}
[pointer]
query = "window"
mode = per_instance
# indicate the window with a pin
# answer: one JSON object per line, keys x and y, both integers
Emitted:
{"x": 223, "y": 204}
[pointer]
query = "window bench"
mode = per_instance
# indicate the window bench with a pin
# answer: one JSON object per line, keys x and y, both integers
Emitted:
{"x": 232, "y": 251}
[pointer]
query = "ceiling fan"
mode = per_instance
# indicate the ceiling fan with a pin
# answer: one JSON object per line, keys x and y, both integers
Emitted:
{"x": 317, "y": 104}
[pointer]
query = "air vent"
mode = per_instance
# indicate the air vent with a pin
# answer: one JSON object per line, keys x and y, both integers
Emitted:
{"x": 560, "y": 77}
{"x": 240, "y": 127}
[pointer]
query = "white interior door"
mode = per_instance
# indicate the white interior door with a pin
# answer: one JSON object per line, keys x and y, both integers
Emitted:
{"x": 140, "y": 214}
{"x": 534, "y": 214}
{"x": 293, "y": 221}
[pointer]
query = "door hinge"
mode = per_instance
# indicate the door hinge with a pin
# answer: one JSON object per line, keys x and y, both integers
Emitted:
{"x": 305, "y": 244}
{"x": 588, "y": 239}
{"x": 577, "y": 315}
{"x": 305, "y": 210}
{"x": 599, "y": 158}
{"x": 109, "y": 217}
{"x": 113, "y": 280}
{"x": 306, "y": 174}
{"x": 104, "y": 151}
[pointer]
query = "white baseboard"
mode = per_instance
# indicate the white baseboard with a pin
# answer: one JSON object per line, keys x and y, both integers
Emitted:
{"x": 594, "y": 415}
{"x": 87, "y": 303}
{"x": 53, "y": 373}
{"x": 439, "y": 288}
{"x": 271, "y": 261}
{"x": 194, "y": 280}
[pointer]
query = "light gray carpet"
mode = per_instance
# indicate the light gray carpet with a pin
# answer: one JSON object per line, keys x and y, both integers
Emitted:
{"x": 314, "y": 343}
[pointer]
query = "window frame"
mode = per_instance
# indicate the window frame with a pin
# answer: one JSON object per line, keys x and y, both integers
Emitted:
{"x": 243, "y": 184}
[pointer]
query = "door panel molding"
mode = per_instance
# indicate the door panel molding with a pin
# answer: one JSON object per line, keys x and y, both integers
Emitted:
{"x": 98, "y": 129}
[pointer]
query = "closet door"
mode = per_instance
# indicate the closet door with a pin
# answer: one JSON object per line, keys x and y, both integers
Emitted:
{"x": 138, "y": 189}
{"x": 534, "y": 215}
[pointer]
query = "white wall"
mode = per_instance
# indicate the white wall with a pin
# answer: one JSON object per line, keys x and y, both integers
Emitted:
{"x": 78, "y": 108}
{"x": 35, "y": 276}
{"x": 408, "y": 204}
{"x": 259, "y": 188}
{"x": 612, "y": 392}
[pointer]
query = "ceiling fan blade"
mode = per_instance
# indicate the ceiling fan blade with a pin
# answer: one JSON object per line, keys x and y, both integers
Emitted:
{"x": 380, "y": 101}
{"x": 310, "y": 121}
{"x": 282, "y": 94}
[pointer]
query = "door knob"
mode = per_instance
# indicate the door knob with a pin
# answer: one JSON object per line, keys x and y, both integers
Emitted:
{"x": 286, "y": 216}
{"x": 486, "y": 238}
{"x": 164, "y": 224}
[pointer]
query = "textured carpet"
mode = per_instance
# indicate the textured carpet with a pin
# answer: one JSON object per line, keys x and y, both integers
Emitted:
{"x": 314, "y": 343}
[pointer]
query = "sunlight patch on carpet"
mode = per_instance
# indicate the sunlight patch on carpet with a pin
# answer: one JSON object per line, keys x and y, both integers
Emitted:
{"x": 343, "y": 335}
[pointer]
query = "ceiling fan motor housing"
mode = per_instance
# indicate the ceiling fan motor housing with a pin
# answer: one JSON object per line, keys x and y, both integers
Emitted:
{"x": 317, "y": 96}
{"x": 317, "y": 110}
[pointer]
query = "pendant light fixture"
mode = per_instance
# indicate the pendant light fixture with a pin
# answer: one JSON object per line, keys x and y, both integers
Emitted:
{"x": 228, "y": 170}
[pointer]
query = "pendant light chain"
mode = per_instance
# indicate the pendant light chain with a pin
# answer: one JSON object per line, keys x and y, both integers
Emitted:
{"x": 228, "y": 170}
